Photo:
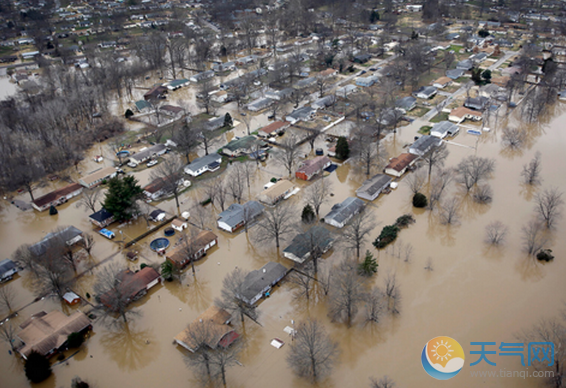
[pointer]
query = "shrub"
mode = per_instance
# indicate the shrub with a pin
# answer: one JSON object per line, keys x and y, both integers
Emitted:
{"x": 79, "y": 383}
{"x": 342, "y": 148}
{"x": 52, "y": 210}
{"x": 405, "y": 220}
{"x": 37, "y": 367}
{"x": 273, "y": 180}
{"x": 74, "y": 340}
{"x": 206, "y": 202}
{"x": 228, "y": 120}
{"x": 128, "y": 113}
{"x": 388, "y": 235}
{"x": 308, "y": 215}
{"x": 87, "y": 295}
{"x": 419, "y": 200}
{"x": 545, "y": 254}
{"x": 143, "y": 265}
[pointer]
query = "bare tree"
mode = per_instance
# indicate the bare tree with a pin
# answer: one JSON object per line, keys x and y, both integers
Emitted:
{"x": 436, "y": 157}
{"x": 392, "y": 294}
{"x": 357, "y": 230}
{"x": 200, "y": 216}
{"x": 275, "y": 224}
{"x": 200, "y": 335}
{"x": 321, "y": 84}
{"x": 225, "y": 357}
{"x": 170, "y": 174}
{"x": 232, "y": 287}
{"x": 416, "y": 181}
{"x": 7, "y": 295}
{"x": 440, "y": 182}
{"x": 235, "y": 183}
{"x": 90, "y": 199}
{"x": 533, "y": 237}
{"x": 473, "y": 170}
{"x": 318, "y": 193}
{"x": 289, "y": 153}
{"x": 312, "y": 353}
{"x": 495, "y": 232}
{"x": 384, "y": 382}
{"x": 347, "y": 292}
{"x": 449, "y": 211}
{"x": 8, "y": 334}
{"x": 204, "y": 100}
{"x": 374, "y": 305}
{"x": 513, "y": 138}
{"x": 483, "y": 194}
{"x": 113, "y": 294}
{"x": 186, "y": 139}
{"x": 302, "y": 281}
{"x": 53, "y": 277}
{"x": 24, "y": 258}
{"x": 531, "y": 171}
{"x": 88, "y": 242}
{"x": 549, "y": 206}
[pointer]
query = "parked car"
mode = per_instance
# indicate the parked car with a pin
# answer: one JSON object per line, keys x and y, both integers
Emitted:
{"x": 319, "y": 151}
{"x": 152, "y": 163}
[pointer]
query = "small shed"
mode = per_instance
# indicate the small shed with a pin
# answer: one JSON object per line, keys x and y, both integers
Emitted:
{"x": 71, "y": 298}
{"x": 179, "y": 224}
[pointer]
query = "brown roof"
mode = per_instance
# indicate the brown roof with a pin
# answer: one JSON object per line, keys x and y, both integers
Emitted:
{"x": 171, "y": 108}
{"x": 179, "y": 223}
{"x": 327, "y": 72}
{"x": 275, "y": 191}
{"x": 401, "y": 162}
{"x": 442, "y": 80}
{"x": 131, "y": 283}
{"x": 56, "y": 194}
{"x": 313, "y": 166}
{"x": 462, "y": 111}
{"x": 45, "y": 332}
{"x": 155, "y": 186}
{"x": 274, "y": 127}
{"x": 179, "y": 253}
{"x": 212, "y": 325}
{"x": 100, "y": 174}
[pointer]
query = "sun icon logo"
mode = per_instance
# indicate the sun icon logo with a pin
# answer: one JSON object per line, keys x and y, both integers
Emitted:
{"x": 442, "y": 358}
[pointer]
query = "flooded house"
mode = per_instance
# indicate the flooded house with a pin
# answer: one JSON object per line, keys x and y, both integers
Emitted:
{"x": 443, "y": 129}
{"x": 57, "y": 197}
{"x": 214, "y": 323}
{"x": 101, "y": 218}
{"x": 199, "y": 166}
{"x": 242, "y": 146}
{"x": 202, "y": 76}
{"x": 259, "y": 282}
{"x": 238, "y": 215}
{"x": 398, "y": 166}
{"x": 7, "y": 270}
{"x": 147, "y": 154}
{"x": 462, "y": 113}
{"x": 191, "y": 250}
{"x": 47, "y": 333}
{"x": 179, "y": 225}
{"x": 156, "y": 189}
{"x": 134, "y": 285}
{"x": 276, "y": 192}
{"x": 311, "y": 167}
{"x": 68, "y": 236}
{"x": 97, "y": 177}
{"x": 273, "y": 129}
{"x": 424, "y": 144}
{"x": 316, "y": 239}
{"x": 341, "y": 213}
{"x": 372, "y": 187}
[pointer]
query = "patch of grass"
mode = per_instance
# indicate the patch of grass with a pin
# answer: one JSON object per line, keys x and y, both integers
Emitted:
{"x": 425, "y": 130}
{"x": 419, "y": 111}
{"x": 455, "y": 48}
{"x": 462, "y": 79}
{"x": 442, "y": 116}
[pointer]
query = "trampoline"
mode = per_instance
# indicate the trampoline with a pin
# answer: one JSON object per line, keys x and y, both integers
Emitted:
{"x": 169, "y": 232}
{"x": 159, "y": 244}
{"x": 123, "y": 153}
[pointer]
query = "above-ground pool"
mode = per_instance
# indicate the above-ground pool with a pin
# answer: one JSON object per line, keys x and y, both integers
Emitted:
{"x": 159, "y": 244}
{"x": 169, "y": 232}
{"x": 123, "y": 153}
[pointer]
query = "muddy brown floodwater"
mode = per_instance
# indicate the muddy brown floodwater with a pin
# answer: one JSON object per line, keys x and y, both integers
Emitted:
{"x": 474, "y": 293}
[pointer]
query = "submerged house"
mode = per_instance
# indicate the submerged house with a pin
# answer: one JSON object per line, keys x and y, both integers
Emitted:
{"x": 68, "y": 236}
{"x": 7, "y": 270}
{"x": 259, "y": 282}
{"x": 47, "y": 333}
{"x": 101, "y": 218}
{"x": 372, "y": 187}
{"x": 273, "y": 129}
{"x": 57, "y": 197}
{"x": 341, "y": 213}
{"x": 192, "y": 250}
{"x": 97, "y": 177}
{"x": 132, "y": 286}
{"x": 316, "y": 239}
{"x": 238, "y": 215}
{"x": 311, "y": 167}
{"x": 242, "y": 146}
{"x": 214, "y": 323}
{"x": 443, "y": 129}
{"x": 397, "y": 166}
{"x": 424, "y": 144}
{"x": 272, "y": 195}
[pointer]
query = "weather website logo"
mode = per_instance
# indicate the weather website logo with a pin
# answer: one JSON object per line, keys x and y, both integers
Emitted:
{"x": 442, "y": 358}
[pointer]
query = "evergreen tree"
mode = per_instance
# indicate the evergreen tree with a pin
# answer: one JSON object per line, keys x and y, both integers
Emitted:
{"x": 342, "y": 148}
{"x": 419, "y": 200}
{"x": 121, "y": 197}
{"x": 374, "y": 16}
{"x": 369, "y": 266}
{"x": 486, "y": 75}
{"x": 37, "y": 367}
{"x": 228, "y": 120}
{"x": 308, "y": 215}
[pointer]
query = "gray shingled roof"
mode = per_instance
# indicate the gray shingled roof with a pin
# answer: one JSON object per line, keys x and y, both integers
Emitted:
{"x": 374, "y": 184}
{"x": 342, "y": 211}
{"x": 235, "y": 215}
{"x": 315, "y": 237}
{"x": 52, "y": 239}
{"x": 256, "y": 281}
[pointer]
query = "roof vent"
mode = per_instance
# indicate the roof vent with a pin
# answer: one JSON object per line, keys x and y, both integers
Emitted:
{"x": 264, "y": 270}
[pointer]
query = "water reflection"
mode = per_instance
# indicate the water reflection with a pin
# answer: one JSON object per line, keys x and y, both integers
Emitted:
{"x": 131, "y": 348}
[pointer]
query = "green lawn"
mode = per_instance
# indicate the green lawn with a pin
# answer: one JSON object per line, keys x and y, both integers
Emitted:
{"x": 419, "y": 111}
{"x": 425, "y": 130}
{"x": 442, "y": 116}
